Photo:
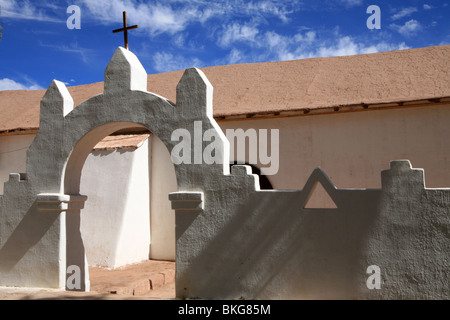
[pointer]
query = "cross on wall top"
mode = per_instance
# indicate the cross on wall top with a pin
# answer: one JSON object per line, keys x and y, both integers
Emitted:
{"x": 125, "y": 29}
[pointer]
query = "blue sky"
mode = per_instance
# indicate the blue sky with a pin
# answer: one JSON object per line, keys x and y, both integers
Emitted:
{"x": 36, "y": 45}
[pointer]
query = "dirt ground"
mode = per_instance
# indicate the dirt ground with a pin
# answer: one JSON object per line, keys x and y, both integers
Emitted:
{"x": 147, "y": 280}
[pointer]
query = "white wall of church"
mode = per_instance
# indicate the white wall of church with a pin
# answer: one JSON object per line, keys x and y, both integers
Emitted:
{"x": 115, "y": 223}
{"x": 13, "y": 153}
{"x": 162, "y": 217}
{"x": 353, "y": 148}
{"x": 126, "y": 218}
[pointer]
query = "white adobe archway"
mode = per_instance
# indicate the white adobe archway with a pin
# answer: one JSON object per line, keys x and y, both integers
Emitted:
{"x": 65, "y": 138}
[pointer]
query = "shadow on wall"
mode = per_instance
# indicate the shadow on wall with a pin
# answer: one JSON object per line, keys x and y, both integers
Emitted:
{"x": 28, "y": 236}
{"x": 266, "y": 245}
{"x": 25, "y": 236}
{"x": 274, "y": 248}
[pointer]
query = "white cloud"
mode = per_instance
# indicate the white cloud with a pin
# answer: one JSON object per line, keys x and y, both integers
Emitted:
{"x": 16, "y": 9}
{"x": 345, "y": 46}
{"x": 309, "y": 36}
{"x": 221, "y": 21}
{"x": 403, "y": 13}
{"x": 9, "y": 84}
{"x": 165, "y": 62}
{"x": 270, "y": 7}
{"x": 172, "y": 16}
{"x": 427, "y": 6}
{"x": 282, "y": 47}
{"x": 273, "y": 39}
{"x": 235, "y": 56}
{"x": 262, "y": 46}
{"x": 179, "y": 40}
{"x": 84, "y": 53}
{"x": 383, "y": 46}
{"x": 272, "y": 46}
{"x": 235, "y": 33}
{"x": 409, "y": 29}
{"x": 336, "y": 46}
{"x": 156, "y": 18}
{"x": 352, "y": 3}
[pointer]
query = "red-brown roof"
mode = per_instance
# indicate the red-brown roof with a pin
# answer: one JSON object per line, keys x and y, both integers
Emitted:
{"x": 281, "y": 88}
{"x": 128, "y": 141}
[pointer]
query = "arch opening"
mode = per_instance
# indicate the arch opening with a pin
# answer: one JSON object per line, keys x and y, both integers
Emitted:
{"x": 127, "y": 218}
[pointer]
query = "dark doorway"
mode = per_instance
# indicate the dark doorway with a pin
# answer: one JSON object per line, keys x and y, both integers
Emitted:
{"x": 264, "y": 182}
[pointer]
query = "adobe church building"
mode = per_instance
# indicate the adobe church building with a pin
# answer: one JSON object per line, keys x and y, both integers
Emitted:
{"x": 351, "y": 116}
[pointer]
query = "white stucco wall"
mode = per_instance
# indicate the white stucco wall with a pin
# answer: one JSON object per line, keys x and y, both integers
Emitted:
{"x": 353, "y": 148}
{"x": 126, "y": 218}
{"x": 115, "y": 223}
{"x": 162, "y": 217}
{"x": 13, "y": 153}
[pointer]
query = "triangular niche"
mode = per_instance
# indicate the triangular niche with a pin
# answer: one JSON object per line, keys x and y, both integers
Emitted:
{"x": 319, "y": 198}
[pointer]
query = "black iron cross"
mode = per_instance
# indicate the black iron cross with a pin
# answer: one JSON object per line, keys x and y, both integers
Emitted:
{"x": 125, "y": 29}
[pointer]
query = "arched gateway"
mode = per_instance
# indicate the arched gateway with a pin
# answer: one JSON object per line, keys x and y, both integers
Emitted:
{"x": 46, "y": 199}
